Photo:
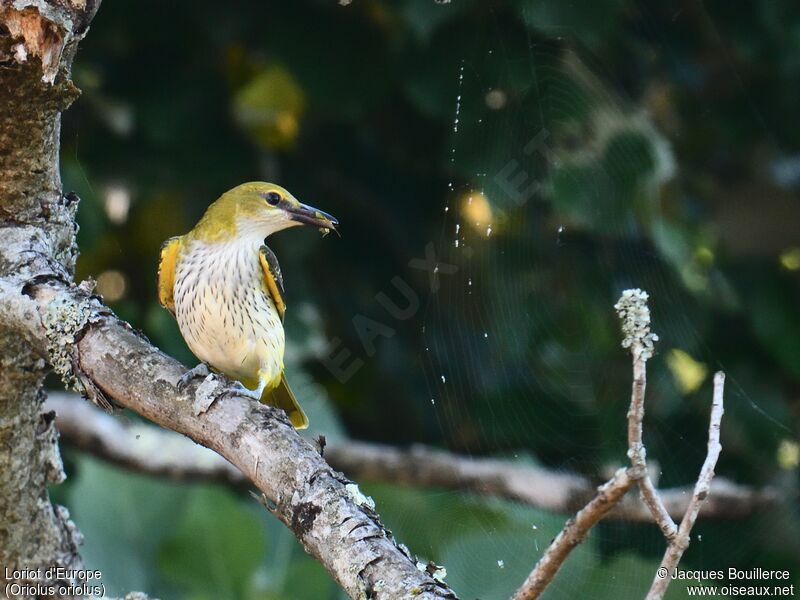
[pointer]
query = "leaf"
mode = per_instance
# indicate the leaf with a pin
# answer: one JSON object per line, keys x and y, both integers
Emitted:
{"x": 217, "y": 545}
{"x": 625, "y": 576}
{"x": 628, "y": 158}
{"x": 777, "y": 325}
{"x": 490, "y": 564}
{"x": 591, "y": 23}
{"x": 429, "y": 520}
{"x": 585, "y": 197}
{"x": 269, "y": 107}
{"x": 424, "y": 16}
{"x": 123, "y": 517}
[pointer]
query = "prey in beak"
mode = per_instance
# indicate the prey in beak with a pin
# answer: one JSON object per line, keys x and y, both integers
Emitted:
{"x": 308, "y": 215}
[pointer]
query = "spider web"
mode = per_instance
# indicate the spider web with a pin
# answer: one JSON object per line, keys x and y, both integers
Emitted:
{"x": 561, "y": 196}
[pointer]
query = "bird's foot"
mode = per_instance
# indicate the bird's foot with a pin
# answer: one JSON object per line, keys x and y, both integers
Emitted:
{"x": 199, "y": 372}
{"x": 244, "y": 391}
{"x": 238, "y": 389}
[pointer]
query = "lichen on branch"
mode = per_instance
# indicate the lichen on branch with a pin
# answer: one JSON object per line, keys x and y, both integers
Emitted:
{"x": 634, "y": 313}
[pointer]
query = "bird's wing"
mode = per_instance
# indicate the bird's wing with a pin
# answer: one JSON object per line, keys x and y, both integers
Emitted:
{"x": 166, "y": 273}
{"x": 273, "y": 280}
{"x": 282, "y": 395}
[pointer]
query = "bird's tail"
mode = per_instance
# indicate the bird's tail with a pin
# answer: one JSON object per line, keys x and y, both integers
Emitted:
{"x": 282, "y": 397}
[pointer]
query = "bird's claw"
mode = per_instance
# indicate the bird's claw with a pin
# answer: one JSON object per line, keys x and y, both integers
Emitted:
{"x": 200, "y": 371}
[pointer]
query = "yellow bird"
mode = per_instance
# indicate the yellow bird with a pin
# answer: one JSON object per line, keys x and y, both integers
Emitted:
{"x": 224, "y": 287}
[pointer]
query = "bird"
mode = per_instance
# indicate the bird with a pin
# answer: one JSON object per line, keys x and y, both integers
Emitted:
{"x": 224, "y": 287}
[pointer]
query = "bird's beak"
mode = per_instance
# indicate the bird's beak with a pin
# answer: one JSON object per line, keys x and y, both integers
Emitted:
{"x": 308, "y": 215}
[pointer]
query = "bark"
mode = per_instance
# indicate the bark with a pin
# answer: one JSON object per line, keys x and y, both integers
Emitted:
{"x": 131, "y": 445}
{"x": 336, "y": 524}
{"x": 680, "y": 541}
{"x": 45, "y": 318}
{"x": 634, "y": 313}
{"x": 37, "y": 43}
{"x": 574, "y": 533}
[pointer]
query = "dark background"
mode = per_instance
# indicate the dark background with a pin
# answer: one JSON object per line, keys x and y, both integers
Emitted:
{"x": 667, "y": 160}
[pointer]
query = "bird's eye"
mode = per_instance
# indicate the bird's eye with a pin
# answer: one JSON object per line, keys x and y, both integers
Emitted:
{"x": 272, "y": 198}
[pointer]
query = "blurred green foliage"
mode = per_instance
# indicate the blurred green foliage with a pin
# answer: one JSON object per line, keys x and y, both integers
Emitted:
{"x": 659, "y": 147}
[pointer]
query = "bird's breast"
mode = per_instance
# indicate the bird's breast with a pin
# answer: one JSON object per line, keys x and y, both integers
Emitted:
{"x": 223, "y": 313}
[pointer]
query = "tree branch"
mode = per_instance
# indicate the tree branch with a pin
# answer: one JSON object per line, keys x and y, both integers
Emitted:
{"x": 573, "y": 533}
{"x": 131, "y": 445}
{"x": 680, "y": 542}
{"x": 106, "y": 359}
{"x": 43, "y": 315}
{"x": 636, "y": 450}
{"x": 635, "y": 316}
{"x": 38, "y": 39}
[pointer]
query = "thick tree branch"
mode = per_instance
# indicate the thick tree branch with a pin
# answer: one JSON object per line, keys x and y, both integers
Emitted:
{"x": 131, "y": 445}
{"x": 104, "y": 357}
{"x": 38, "y": 39}
{"x": 45, "y": 318}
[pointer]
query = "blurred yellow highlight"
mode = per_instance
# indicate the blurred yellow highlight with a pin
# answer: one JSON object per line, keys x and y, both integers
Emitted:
{"x": 112, "y": 285}
{"x": 790, "y": 259}
{"x": 269, "y": 107}
{"x": 477, "y": 212}
{"x": 287, "y": 125}
{"x": 788, "y": 454}
{"x": 704, "y": 256}
{"x": 689, "y": 374}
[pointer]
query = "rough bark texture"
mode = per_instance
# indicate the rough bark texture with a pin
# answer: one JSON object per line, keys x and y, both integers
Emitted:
{"x": 37, "y": 42}
{"x": 132, "y": 445}
{"x": 44, "y": 318}
{"x": 335, "y": 523}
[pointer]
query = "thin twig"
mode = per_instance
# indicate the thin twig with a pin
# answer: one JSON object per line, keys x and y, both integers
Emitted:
{"x": 635, "y": 315}
{"x": 636, "y": 449}
{"x": 678, "y": 545}
{"x": 632, "y": 310}
{"x": 573, "y": 533}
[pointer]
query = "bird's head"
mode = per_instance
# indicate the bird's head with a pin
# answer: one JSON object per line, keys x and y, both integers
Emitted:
{"x": 260, "y": 209}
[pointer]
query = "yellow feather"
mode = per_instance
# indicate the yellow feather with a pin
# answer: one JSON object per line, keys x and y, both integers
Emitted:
{"x": 229, "y": 304}
{"x": 166, "y": 272}
{"x": 282, "y": 397}
{"x": 271, "y": 286}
